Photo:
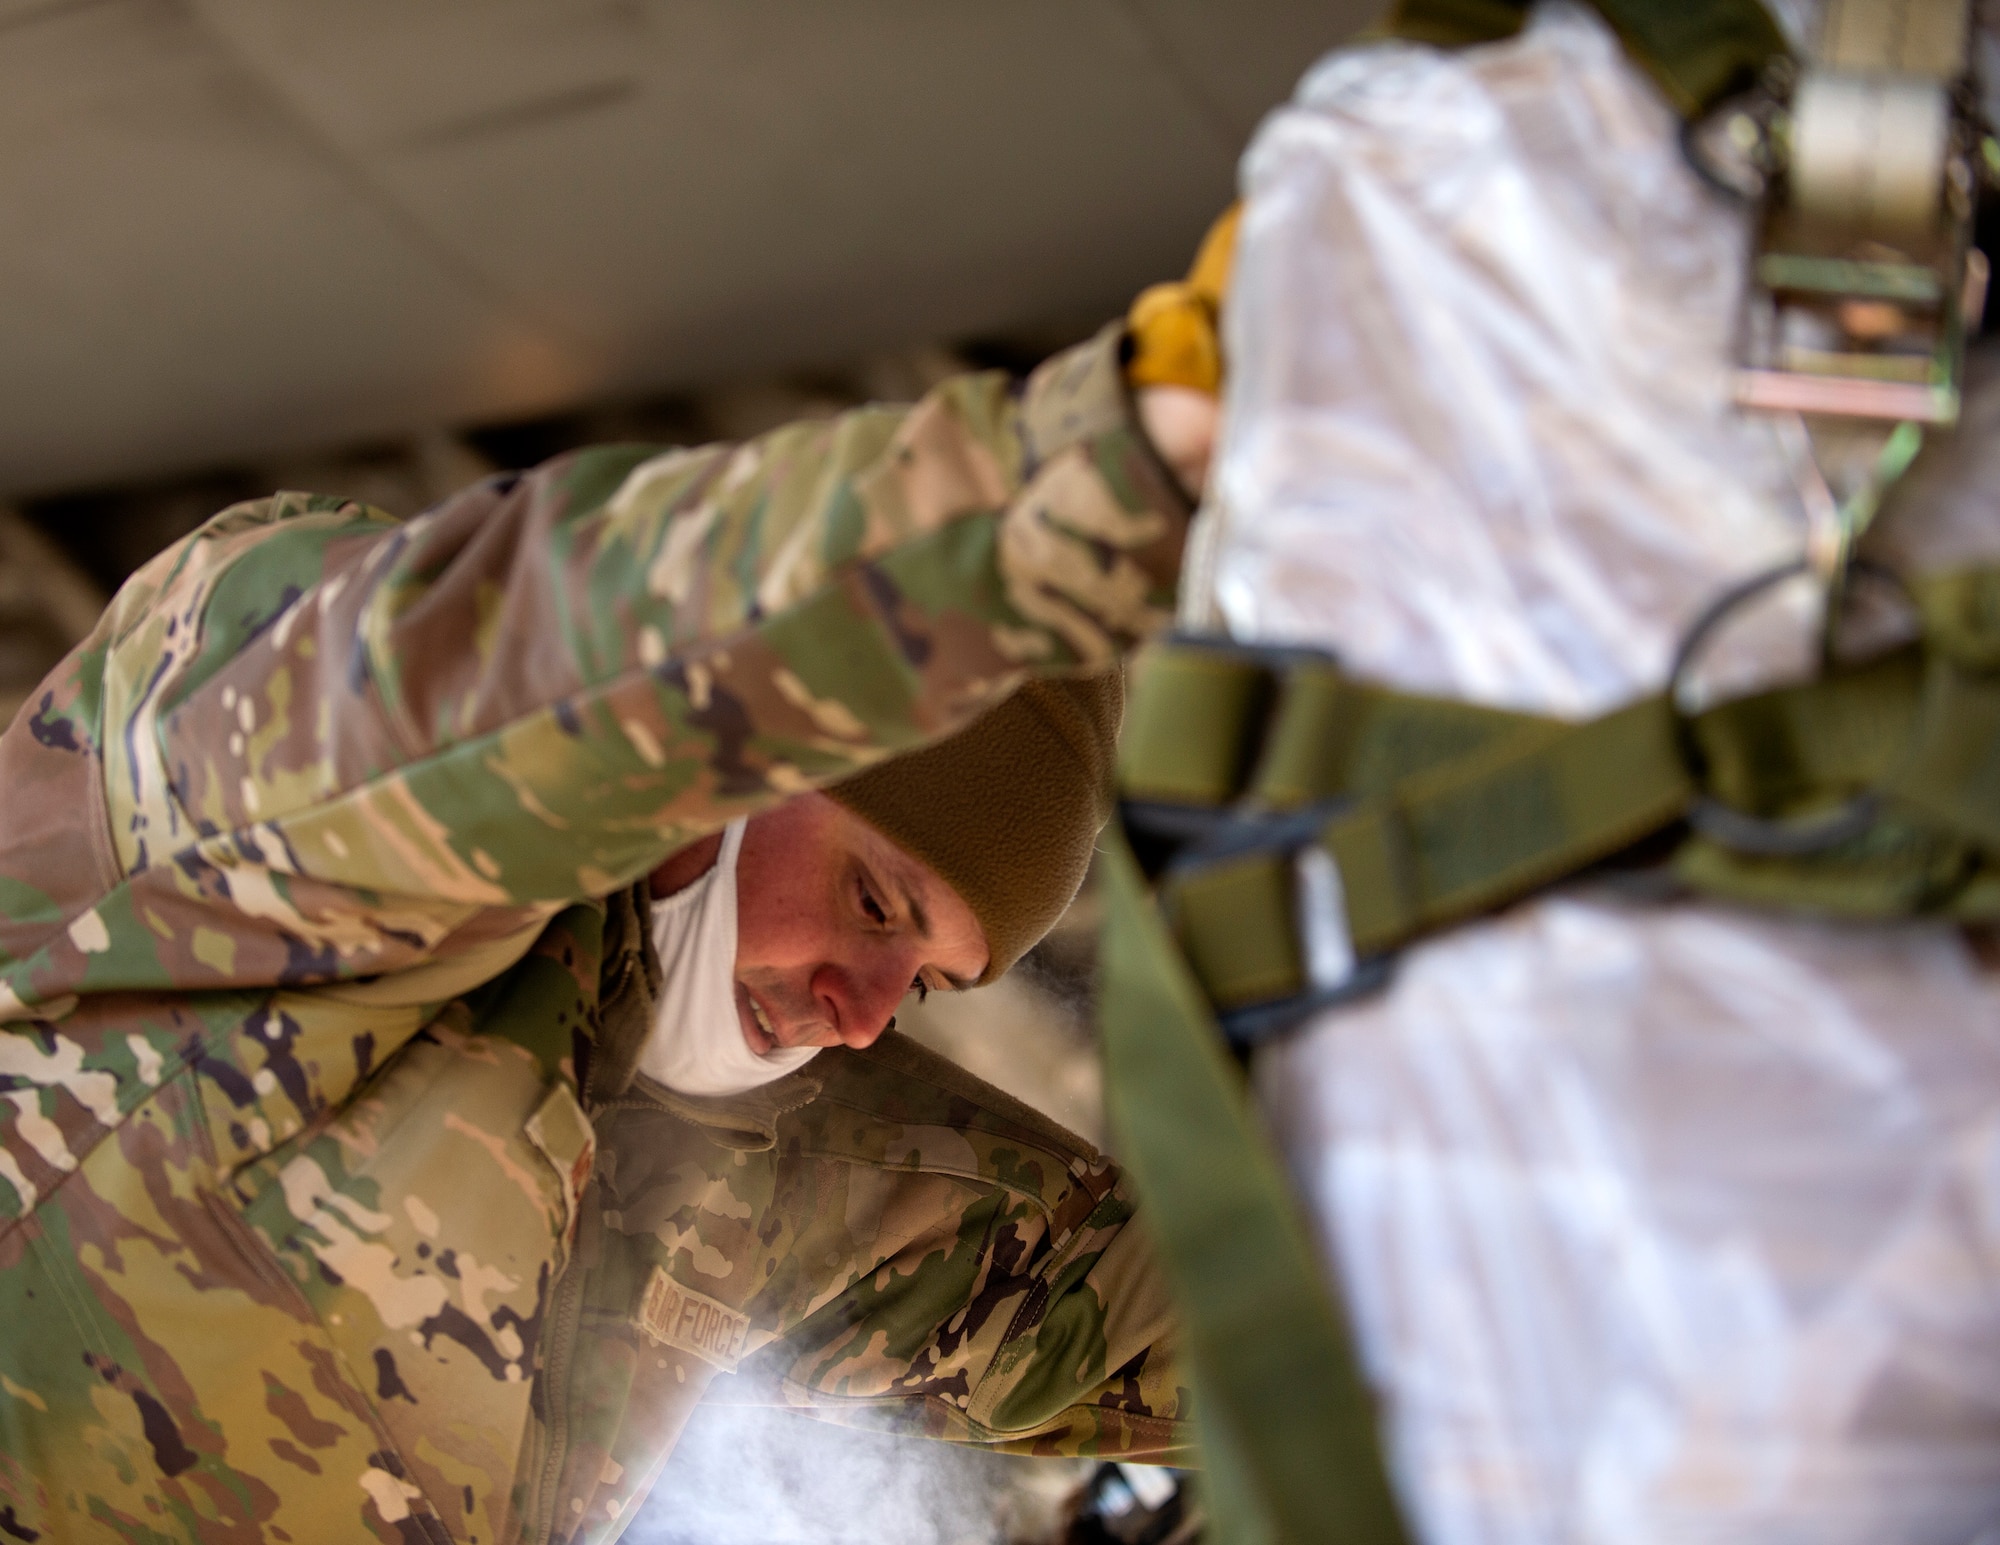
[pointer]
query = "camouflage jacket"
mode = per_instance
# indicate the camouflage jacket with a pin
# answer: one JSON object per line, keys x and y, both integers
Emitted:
{"x": 305, "y": 1231}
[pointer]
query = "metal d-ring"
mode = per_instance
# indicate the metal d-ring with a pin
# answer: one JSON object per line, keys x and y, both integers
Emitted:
{"x": 1756, "y": 835}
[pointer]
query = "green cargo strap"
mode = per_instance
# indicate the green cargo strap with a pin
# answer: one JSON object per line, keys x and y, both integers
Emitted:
{"x": 1208, "y": 725}
{"x": 1451, "y": 23}
{"x": 1953, "y": 779}
{"x": 1446, "y": 811}
{"x": 1446, "y": 843}
{"x": 1451, "y": 810}
{"x": 1289, "y": 1446}
{"x": 1697, "y": 51}
{"x": 1954, "y": 776}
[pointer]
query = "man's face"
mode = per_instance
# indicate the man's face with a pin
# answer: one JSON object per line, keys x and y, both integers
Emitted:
{"x": 835, "y": 924}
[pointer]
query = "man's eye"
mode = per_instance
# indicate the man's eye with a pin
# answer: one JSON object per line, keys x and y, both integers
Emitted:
{"x": 921, "y": 988}
{"x": 872, "y": 907}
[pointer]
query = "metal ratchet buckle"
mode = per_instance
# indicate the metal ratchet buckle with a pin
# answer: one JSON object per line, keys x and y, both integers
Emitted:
{"x": 1738, "y": 830}
{"x": 1863, "y": 277}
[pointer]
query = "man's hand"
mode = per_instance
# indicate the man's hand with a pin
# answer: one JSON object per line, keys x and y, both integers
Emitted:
{"x": 1180, "y": 421}
{"x": 1175, "y": 366}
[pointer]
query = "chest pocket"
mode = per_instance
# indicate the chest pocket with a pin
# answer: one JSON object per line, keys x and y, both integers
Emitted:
{"x": 427, "y": 1226}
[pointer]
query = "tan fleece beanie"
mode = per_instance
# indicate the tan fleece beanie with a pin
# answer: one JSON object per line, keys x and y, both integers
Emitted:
{"x": 1007, "y": 811}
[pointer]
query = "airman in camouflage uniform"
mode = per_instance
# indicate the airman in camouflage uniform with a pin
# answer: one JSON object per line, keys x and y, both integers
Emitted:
{"x": 318, "y": 855}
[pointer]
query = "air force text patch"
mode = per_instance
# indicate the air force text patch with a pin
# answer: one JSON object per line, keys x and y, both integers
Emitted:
{"x": 693, "y": 1322}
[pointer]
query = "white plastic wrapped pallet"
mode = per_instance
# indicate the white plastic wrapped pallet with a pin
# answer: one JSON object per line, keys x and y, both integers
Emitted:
{"x": 1656, "y": 1222}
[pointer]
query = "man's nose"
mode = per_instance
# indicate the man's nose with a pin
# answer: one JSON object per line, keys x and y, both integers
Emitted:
{"x": 862, "y": 1001}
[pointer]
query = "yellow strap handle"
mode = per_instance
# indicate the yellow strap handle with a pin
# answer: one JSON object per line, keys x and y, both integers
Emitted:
{"x": 1174, "y": 326}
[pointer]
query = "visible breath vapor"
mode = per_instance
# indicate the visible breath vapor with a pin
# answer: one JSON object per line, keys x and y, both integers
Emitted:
{"x": 756, "y": 1476}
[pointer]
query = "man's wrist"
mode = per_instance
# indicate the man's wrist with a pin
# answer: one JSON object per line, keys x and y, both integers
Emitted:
{"x": 1180, "y": 421}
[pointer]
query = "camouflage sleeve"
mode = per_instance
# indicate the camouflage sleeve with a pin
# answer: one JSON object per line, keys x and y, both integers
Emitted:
{"x": 368, "y": 747}
{"x": 550, "y": 681}
{"x": 977, "y": 1274}
{"x": 1041, "y": 1344}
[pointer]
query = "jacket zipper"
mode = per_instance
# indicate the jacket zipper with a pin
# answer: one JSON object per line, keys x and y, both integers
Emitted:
{"x": 565, "y": 1315}
{"x": 563, "y": 1322}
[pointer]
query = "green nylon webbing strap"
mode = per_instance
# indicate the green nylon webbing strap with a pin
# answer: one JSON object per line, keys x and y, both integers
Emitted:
{"x": 1954, "y": 775}
{"x": 1775, "y": 750}
{"x": 1289, "y": 1442}
{"x": 1443, "y": 844}
{"x": 1451, "y": 23}
{"x": 1193, "y": 717}
{"x": 1870, "y": 728}
{"x": 1206, "y": 726}
{"x": 1455, "y": 810}
{"x": 1698, "y": 51}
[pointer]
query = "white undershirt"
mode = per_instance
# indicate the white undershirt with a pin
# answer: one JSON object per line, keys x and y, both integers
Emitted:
{"x": 696, "y": 1045}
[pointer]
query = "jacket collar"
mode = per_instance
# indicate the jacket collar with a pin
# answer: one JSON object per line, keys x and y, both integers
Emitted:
{"x": 746, "y": 1121}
